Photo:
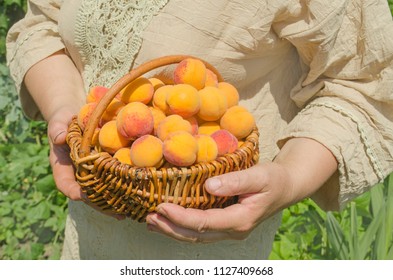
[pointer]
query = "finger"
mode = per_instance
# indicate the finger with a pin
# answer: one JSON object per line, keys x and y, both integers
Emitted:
{"x": 251, "y": 180}
{"x": 161, "y": 224}
{"x": 65, "y": 180}
{"x": 230, "y": 219}
{"x": 57, "y": 132}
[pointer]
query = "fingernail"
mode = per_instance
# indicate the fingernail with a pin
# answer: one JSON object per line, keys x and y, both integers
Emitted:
{"x": 213, "y": 184}
{"x": 57, "y": 136}
{"x": 160, "y": 210}
{"x": 150, "y": 221}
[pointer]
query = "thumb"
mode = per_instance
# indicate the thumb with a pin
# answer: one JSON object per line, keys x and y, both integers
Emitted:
{"x": 57, "y": 132}
{"x": 246, "y": 181}
{"x": 58, "y": 127}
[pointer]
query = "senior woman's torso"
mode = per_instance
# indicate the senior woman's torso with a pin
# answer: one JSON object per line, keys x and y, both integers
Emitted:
{"x": 106, "y": 38}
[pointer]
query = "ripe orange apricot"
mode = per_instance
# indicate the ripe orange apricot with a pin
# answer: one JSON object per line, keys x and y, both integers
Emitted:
{"x": 135, "y": 120}
{"x": 95, "y": 94}
{"x": 110, "y": 139}
{"x": 213, "y": 104}
{"x": 156, "y": 82}
{"x": 123, "y": 155}
{"x": 207, "y": 148}
{"x": 111, "y": 111}
{"x": 84, "y": 114}
{"x": 190, "y": 71}
{"x": 226, "y": 141}
{"x": 230, "y": 92}
{"x": 194, "y": 124}
{"x": 171, "y": 124}
{"x": 238, "y": 121}
{"x": 147, "y": 151}
{"x": 159, "y": 98}
{"x": 211, "y": 78}
{"x": 139, "y": 90}
{"x": 158, "y": 116}
{"x": 183, "y": 100}
{"x": 180, "y": 148}
{"x": 208, "y": 128}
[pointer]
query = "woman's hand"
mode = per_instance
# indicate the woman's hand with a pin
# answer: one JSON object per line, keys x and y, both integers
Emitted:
{"x": 60, "y": 161}
{"x": 300, "y": 169}
{"x": 59, "y": 157}
{"x": 57, "y": 88}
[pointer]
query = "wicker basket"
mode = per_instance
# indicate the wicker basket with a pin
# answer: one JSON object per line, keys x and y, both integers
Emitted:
{"x": 135, "y": 192}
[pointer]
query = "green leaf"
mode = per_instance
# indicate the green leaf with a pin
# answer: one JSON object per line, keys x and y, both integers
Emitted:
{"x": 353, "y": 240}
{"x": 37, "y": 249}
{"x": 46, "y": 184}
{"x": 39, "y": 212}
{"x": 389, "y": 213}
{"x": 4, "y": 101}
{"x": 7, "y": 222}
{"x": 377, "y": 198}
{"x": 336, "y": 237}
{"x": 5, "y": 209}
{"x": 368, "y": 237}
{"x": 19, "y": 233}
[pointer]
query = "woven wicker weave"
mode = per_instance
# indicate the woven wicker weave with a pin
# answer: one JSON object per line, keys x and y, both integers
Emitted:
{"x": 135, "y": 191}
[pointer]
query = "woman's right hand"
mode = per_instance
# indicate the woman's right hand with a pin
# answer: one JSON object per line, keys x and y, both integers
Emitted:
{"x": 59, "y": 156}
{"x": 61, "y": 163}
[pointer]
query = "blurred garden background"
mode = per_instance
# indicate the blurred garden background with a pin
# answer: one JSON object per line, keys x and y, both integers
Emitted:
{"x": 33, "y": 212}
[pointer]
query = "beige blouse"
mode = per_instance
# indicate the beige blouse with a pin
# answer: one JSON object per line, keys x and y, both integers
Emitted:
{"x": 317, "y": 69}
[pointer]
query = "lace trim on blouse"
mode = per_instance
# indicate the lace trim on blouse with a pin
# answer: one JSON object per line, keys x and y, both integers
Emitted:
{"x": 109, "y": 36}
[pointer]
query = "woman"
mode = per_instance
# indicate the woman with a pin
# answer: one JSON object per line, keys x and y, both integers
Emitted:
{"x": 317, "y": 77}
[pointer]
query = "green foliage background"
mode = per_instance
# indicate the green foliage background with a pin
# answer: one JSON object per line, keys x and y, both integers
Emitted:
{"x": 33, "y": 212}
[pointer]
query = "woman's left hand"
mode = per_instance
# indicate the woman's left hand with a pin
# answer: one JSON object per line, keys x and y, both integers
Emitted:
{"x": 263, "y": 190}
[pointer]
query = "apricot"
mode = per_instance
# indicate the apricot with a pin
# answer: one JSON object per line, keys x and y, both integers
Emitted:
{"x": 207, "y": 148}
{"x": 147, "y": 151}
{"x": 230, "y": 92}
{"x": 165, "y": 76}
{"x": 238, "y": 121}
{"x": 156, "y": 82}
{"x": 211, "y": 78}
{"x": 180, "y": 148}
{"x": 111, "y": 111}
{"x": 190, "y": 71}
{"x": 194, "y": 124}
{"x": 171, "y": 124}
{"x": 95, "y": 94}
{"x": 135, "y": 120}
{"x": 110, "y": 139}
{"x": 158, "y": 116}
{"x": 159, "y": 98}
{"x": 208, "y": 128}
{"x": 183, "y": 100}
{"x": 84, "y": 114}
{"x": 123, "y": 155}
{"x": 213, "y": 104}
{"x": 226, "y": 141}
{"x": 139, "y": 90}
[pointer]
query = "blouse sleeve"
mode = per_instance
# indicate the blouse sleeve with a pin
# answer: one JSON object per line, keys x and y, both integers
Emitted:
{"x": 346, "y": 91}
{"x": 30, "y": 40}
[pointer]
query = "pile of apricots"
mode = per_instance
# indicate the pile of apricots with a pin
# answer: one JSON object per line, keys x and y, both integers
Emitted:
{"x": 189, "y": 119}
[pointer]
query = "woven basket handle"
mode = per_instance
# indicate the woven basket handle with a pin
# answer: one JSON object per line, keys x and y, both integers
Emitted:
{"x": 119, "y": 85}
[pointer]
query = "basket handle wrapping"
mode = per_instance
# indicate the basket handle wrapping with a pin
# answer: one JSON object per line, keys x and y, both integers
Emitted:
{"x": 119, "y": 85}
